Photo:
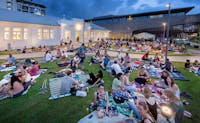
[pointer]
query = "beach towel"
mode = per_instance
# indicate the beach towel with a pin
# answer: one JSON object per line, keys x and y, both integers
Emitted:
{"x": 178, "y": 76}
{"x": 92, "y": 118}
{"x": 8, "y": 69}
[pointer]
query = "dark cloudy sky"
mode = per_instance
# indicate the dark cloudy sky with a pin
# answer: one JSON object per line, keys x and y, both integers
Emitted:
{"x": 93, "y": 8}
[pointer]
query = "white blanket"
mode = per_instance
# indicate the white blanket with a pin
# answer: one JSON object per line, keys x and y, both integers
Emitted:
{"x": 92, "y": 118}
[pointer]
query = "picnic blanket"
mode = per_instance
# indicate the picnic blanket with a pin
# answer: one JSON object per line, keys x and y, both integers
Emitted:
{"x": 3, "y": 69}
{"x": 178, "y": 76}
{"x": 5, "y": 81}
{"x": 92, "y": 118}
{"x": 55, "y": 85}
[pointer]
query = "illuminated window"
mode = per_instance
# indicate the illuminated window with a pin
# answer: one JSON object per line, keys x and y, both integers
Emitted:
{"x": 52, "y": 34}
{"x": 17, "y": 34}
{"x": 45, "y": 34}
{"x": 39, "y": 33}
{"x": 25, "y": 33}
{"x": 67, "y": 35}
{"x": 6, "y": 33}
{"x": 85, "y": 35}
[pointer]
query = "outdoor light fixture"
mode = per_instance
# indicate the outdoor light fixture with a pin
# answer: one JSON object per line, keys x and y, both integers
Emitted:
{"x": 164, "y": 24}
{"x": 78, "y": 26}
{"x": 168, "y": 5}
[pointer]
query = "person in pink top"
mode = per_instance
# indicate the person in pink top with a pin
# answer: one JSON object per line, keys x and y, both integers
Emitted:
{"x": 34, "y": 69}
{"x": 16, "y": 87}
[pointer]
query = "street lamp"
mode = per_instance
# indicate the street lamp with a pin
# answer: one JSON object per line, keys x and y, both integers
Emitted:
{"x": 168, "y": 28}
{"x": 164, "y": 25}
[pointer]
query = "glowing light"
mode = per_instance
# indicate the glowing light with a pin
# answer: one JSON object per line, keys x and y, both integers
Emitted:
{"x": 164, "y": 24}
{"x": 78, "y": 26}
{"x": 168, "y": 5}
{"x": 166, "y": 111}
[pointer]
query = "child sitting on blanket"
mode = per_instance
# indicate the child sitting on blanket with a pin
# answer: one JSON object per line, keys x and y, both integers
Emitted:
{"x": 187, "y": 64}
{"x": 195, "y": 66}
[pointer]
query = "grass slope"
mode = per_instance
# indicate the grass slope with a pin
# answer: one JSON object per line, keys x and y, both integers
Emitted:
{"x": 36, "y": 108}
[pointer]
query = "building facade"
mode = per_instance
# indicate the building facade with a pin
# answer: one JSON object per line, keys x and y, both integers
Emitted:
{"x": 19, "y": 29}
{"x": 27, "y": 6}
{"x": 124, "y": 26}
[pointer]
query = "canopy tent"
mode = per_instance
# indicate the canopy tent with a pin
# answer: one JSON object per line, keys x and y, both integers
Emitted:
{"x": 144, "y": 35}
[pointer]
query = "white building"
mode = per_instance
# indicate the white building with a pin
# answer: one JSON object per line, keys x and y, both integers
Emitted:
{"x": 19, "y": 29}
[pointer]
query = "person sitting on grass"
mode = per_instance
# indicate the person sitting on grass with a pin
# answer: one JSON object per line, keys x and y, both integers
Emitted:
{"x": 146, "y": 114}
{"x": 145, "y": 57}
{"x": 168, "y": 66}
{"x": 142, "y": 76}
{"x": 73, "y": 66}
{"x": 68, "y": 82}
{"x": 76, "y": 60}
{"x": 96, "y": 58}
{"x": 176, "y": 104}
{"x": 119, "y": 93}
{"x": 129, "y": 86}
{"x": 48, "y": 56}
{"x": 187, "y": 64}
{"x": 195, "y": 66}
{"x": 16, "y": 87}
{"x": 34, "y": 69}
{"x": 115, "y": 68}
{"x": 95, "y": 79}
{"x": 105, "y": 62}
{"x": 127, "y": 58}
{"x": 11, "y": 60}
{"x": 101, "y": 98}
{"x": 151, "y": 102}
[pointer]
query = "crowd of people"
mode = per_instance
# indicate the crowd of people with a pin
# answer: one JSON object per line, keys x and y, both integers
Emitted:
{"x": 147, "y": 109}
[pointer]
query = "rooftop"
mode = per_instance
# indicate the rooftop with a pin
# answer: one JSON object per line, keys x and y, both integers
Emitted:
{"x": 15, "y": 16}
{"x": 177, "y": 10}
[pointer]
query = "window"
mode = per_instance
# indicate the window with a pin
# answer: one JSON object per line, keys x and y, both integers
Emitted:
{"x": 6, "y": 33}
{"x": 45, "y": 34}
{"x": 52, "y": 34}
{"x": 17, "y": 35}
{"x": 67, "y": 35}
{"x": 39, "y": 33}
{"x": 85, "y": 35}
{"x": 25, "y": 33}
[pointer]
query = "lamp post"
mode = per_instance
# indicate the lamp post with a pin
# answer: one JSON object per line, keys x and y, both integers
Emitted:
{"x": 168, "y": 28}
{"x": 164, "y": 26}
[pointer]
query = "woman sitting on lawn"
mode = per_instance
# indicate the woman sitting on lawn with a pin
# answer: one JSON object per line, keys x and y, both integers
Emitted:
{"x": 16, "y": 87}
{"x": 73, "y": 66}
{"x": 34, "y": 69}
{"x": 142, "y": 76}
{"x": 146, "y": 114}
{"x": 95, "y": 79}
{"x": 176, "y": 105}
{"x": 130, "y": 86}
{"x": 101, "y": 98}
{"x": 119, "y": 93}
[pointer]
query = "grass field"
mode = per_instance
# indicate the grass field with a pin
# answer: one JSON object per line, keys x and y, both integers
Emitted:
{"x": 36, "y": 108}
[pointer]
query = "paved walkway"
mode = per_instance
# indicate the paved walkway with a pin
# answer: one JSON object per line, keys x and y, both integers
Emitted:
{"x": 111, "y": 53}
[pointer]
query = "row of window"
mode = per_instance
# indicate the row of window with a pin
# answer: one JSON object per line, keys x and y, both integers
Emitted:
{"x": 22, "y": 33}
{"x": 130, "y": 18}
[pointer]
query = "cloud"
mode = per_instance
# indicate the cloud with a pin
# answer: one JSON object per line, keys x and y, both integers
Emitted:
{"x": 142, "y": 4}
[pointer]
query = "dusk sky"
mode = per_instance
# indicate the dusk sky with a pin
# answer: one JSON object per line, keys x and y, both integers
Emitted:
{"x": 92, "y": 8}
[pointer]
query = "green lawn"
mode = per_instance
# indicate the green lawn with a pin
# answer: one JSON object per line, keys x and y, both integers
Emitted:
{"x": 36, "y": 108}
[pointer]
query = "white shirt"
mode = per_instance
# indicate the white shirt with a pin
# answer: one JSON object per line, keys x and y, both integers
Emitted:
{"x": 116, "y": 68}
{"x": 48, "y": 57}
